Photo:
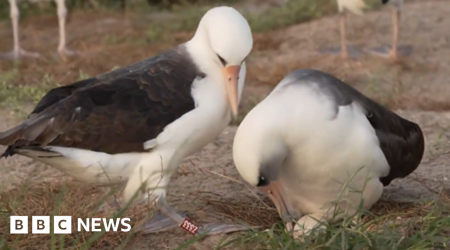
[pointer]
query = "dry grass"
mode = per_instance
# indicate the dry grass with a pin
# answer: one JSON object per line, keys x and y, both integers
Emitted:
{"x": 261, "y": 213}
{"x": 422, "y": 225}
{"x": 69, "y": 199}
{"x": 389, "y": 225}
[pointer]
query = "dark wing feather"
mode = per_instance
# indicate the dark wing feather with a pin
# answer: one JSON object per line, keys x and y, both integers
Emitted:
{"x": 115, "y": 112}
{"x": 401, "y": 141}
{"x": 57, "y": 94}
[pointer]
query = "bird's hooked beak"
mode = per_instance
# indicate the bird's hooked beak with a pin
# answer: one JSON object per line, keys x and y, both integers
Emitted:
{"x": 275, "y": 193}
{"x": 231, "y": 76}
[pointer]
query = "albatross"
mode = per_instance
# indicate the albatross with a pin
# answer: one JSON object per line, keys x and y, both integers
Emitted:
{"x": 136, "y": 124}
{"x": 357, "y": 7}
{"x": 316, "y": 146}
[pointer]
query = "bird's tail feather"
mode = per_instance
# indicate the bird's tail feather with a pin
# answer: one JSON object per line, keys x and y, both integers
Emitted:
{"x": 35, "y": 130}
{"x": 9, "y": 137}
{"x": 8, "y": 152}
{"x": 30, "y": 151}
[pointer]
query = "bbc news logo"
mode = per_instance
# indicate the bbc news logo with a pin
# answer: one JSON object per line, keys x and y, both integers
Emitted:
{"x": 63, "y": 224}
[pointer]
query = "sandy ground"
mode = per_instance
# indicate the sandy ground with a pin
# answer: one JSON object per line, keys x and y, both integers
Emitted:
{"x": 417, "y": 87}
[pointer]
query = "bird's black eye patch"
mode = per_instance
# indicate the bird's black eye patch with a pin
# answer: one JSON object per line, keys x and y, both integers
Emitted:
{"x": 224, "y": 63}
{"x": 262, "y": 181}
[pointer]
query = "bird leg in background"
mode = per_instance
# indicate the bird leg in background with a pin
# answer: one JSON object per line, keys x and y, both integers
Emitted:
{"x": 62, "y": 16}
{"x": 395, "y": 33}
{"x": 17, "y": 50}
{"x": 392, "y": 51}
{"x": 169, "y": 218}
{"x": 344, "y": 52}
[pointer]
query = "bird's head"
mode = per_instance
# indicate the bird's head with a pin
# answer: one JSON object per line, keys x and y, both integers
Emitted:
{"x": 259, "y": 153}
{"x": 226, "y": 37}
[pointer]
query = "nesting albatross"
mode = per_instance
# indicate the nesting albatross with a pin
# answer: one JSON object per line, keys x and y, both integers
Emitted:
{"x": 314, "y": 136}
{"x": 173, "y": 103}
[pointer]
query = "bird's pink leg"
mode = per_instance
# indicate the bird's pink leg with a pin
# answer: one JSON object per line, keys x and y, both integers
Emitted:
{"x": 62, "y": 16}
{"x": 17, "y": 51}
{"x": 393, "y": 51}
{"x": 344, "y": 52}
{"x": 395, "y": 32}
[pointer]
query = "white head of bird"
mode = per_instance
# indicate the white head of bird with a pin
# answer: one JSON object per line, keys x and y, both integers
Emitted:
{"x": 223, "y": 40}
{"x": 259, "y": 151}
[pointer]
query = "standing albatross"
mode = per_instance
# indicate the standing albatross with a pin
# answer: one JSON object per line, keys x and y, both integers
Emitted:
{"x": 315, "y": 138}
{"x": 136, "y": 124}
{"x": 357, "y": 7}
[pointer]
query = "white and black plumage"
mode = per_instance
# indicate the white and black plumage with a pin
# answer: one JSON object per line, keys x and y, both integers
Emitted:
{"x": 357, "y": 7}
{"x": 17, "y": 51}
{"x": 314, "y": 138}
{"x": 136, "y": 124}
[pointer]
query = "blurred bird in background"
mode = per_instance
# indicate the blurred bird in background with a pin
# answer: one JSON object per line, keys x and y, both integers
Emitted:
{"x": 18, "y": 51}
{"x": 357, "y": 7}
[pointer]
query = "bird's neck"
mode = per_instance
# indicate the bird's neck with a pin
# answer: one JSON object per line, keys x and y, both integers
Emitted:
{"x": 201, "y": 53}
{"x": 210, "y": 92}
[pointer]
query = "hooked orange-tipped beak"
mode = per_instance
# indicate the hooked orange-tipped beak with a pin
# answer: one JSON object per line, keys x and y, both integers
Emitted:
{"x": 273, "y": 190}
{"x": 231, "y": 76}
